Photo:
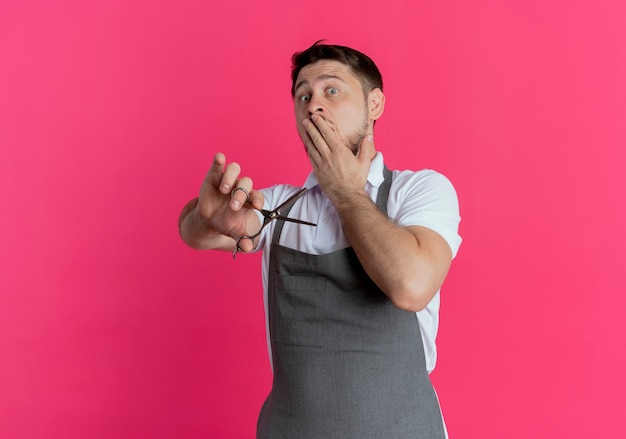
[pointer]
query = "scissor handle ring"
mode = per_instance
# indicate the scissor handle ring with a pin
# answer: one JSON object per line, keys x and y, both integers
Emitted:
{"x": 239, "y": 249}
{"x": 242, "y": 189}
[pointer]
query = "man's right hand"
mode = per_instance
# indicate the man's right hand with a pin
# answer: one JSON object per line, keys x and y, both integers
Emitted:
{"x": 221, "y": 214}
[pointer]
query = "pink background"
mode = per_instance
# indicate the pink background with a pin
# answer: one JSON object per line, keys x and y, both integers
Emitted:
{"x": 110, "y": 113}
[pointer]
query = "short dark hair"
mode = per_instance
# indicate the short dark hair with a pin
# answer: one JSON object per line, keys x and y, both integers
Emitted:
{"x": 361, "y": 64}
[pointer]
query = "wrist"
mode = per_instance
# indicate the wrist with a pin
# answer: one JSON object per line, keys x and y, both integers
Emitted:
{"x": 350, "y": 200}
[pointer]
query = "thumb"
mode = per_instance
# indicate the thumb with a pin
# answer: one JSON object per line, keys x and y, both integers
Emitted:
{"x": 367, "y": 151}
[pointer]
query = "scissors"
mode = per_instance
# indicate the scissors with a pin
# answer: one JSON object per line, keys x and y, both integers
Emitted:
{"x": 276, "y": 214}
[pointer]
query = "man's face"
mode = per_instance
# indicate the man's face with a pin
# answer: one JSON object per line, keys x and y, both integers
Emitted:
{"x": 330, "y": 89}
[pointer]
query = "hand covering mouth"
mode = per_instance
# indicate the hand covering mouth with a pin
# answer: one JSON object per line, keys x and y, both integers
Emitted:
{"x": 329, "y": 122}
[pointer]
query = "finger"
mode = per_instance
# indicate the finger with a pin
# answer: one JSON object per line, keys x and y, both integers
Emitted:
{"x": 313, "y": 154}
{"x": 214, "y": 175}
{"x": 309, "y": 146}
{"x": 229, "y": 178}
{"x": 239, "y": 197}
{"x": 317, "y": 140}
{"x": 325, "y": 130}
{"x": 246, "y": 245}
{"x": 257, "y": 199}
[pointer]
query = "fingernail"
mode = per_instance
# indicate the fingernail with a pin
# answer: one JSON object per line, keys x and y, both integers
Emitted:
{"x": 370, "y": 137}
{"x": 225, "y": 187}
{"x": 235, "y": 204}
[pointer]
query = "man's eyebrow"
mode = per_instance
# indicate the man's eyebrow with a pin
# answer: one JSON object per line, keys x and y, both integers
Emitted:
{"x": 317, "y": 79}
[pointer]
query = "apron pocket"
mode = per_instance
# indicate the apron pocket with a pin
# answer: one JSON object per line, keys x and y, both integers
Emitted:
{"x": 297, "y": 315}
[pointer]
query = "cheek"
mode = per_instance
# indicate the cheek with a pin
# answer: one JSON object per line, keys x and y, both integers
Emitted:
{"x": 300, "y": 110}
{"x": 347, "y": 119}
{"x": 299, "y": 116}
{"x": 347, "y": 111}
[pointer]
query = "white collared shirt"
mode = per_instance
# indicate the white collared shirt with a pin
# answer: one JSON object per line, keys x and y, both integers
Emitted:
{"x": 424, "y": 198}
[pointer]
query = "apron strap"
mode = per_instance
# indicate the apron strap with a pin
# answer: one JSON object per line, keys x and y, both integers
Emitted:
{"x": 383, "y": 190}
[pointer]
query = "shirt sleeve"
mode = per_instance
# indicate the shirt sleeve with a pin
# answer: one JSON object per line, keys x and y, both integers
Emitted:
{"x": 426, "y": 198}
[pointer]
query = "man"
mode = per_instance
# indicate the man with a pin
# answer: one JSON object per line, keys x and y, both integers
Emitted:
{"x": 350, "y": 356}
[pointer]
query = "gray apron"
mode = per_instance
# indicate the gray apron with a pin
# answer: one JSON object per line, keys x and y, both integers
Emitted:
{"x": 348, "y": 364}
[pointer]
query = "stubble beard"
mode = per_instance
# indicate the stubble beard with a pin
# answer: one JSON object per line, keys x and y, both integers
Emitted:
{"x": 356, "y": 140}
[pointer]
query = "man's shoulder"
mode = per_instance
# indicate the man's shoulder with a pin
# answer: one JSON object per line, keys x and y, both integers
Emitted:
{"x": 424, "y": 178}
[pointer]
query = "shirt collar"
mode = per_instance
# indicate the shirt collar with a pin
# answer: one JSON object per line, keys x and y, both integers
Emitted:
{"x": 375, "y": 176}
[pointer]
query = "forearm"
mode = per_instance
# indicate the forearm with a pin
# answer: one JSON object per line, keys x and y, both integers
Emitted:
{"x": 408, "y": 269}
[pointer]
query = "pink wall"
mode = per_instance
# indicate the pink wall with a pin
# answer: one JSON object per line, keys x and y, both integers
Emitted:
{"x": 110, "y": 113}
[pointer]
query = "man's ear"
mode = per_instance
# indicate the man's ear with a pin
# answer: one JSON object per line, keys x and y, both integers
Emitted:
{"x": 375, "y": 103}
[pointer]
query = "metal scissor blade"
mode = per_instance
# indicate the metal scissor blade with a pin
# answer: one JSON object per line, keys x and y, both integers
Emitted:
{"x": 297, "y": 221}
{"x": 290, "y": 201}
{"x": 286, "y": 205}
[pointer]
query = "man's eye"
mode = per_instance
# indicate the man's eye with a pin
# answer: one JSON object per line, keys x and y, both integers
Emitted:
{"x": 305, "y": 98}
{"x": 333, "y": 90}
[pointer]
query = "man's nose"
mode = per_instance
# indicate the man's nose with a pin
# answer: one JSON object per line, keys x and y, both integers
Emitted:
{"x": 315, "y": 106}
